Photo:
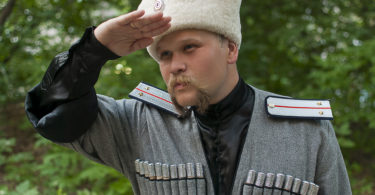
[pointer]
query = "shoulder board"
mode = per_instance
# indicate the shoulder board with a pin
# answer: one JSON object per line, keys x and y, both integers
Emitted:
{"x": 153, "y": 96}
{"x": 283, "y": 107}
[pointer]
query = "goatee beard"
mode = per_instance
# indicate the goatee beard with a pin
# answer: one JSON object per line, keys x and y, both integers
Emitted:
{"x": 202, "y": 96}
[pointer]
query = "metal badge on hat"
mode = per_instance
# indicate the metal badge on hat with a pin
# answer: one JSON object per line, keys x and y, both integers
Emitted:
{"x": 159, "y": 5}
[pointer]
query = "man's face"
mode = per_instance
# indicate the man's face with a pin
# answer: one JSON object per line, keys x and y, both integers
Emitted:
{"x": 196, "y": 67}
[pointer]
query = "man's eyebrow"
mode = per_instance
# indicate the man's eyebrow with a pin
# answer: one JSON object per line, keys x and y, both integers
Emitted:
{"x": 183, "y": 41}
{"x": 157, "y": 49}
{"x": 189, "y": 40}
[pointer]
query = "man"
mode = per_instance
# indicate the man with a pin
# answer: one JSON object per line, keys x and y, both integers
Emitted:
{"x": 212, "y": 135}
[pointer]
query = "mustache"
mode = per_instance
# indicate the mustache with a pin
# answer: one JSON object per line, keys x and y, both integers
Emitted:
{"x": 182, "y": 79}
{"x": 202, "y": 96}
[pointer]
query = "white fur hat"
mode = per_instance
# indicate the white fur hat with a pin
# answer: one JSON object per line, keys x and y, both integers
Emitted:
{"x": 219, "y": 16}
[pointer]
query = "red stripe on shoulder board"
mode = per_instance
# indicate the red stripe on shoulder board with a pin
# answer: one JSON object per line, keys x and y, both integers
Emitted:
{"x": 302, "y": 107}
{"x": 153, "y": 95}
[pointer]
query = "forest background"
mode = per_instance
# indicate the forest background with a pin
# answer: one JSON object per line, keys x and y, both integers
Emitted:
{"x": 322, "y": 49}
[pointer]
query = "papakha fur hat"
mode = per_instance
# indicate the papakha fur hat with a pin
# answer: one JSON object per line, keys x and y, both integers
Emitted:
{"x": 218, "y": 16}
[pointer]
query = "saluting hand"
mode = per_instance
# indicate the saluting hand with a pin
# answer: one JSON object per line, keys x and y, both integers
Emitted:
{"x": 130, "y": 32}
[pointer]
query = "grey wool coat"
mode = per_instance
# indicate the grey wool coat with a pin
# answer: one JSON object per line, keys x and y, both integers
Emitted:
{"x": 126, "y": 130}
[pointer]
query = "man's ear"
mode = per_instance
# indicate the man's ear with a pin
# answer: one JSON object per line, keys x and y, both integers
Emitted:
{"x": 232, "y": 53}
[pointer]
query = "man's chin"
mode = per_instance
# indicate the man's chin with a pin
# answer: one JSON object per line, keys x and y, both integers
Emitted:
{"x": 200, "y": 100}
{"x": 189, "y": 96}
{"x": 186, "y": 100}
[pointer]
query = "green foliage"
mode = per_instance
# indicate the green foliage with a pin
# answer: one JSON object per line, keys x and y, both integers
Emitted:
{"x": 23, "y": 188}
{"x": 7, "y": 145}
{"x": 306, "y": 49}
{"x": 61, "y": 171}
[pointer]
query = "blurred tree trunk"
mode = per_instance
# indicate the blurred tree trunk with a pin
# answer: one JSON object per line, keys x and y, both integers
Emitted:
{"x": 6, "y": 11}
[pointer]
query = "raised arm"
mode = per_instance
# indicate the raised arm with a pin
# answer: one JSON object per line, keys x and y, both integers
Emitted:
{"x": 64, "y": 105}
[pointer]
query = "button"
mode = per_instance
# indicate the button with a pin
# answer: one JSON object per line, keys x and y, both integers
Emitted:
{"x": 271, "y": 105}
{"x": 147, "y": 88}
{"x": 321, "y": 112}
{"x": 140, "y": 94}
{"x": 159, "y": 5}
{"x": 319, "y": 103}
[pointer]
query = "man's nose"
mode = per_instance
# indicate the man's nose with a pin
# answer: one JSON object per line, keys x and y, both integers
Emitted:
{"x": 178, "y": 65}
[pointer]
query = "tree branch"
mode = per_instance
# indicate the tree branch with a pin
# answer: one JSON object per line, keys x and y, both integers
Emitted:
{"x": 6, "y": 11}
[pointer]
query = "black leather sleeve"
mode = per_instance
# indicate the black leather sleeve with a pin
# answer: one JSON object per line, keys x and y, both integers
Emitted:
{"x": 64, "y": 105}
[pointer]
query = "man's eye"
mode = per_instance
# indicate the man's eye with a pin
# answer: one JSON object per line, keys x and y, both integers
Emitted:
{"x": 165, "y": 54}
{"x": 189, "y": 47}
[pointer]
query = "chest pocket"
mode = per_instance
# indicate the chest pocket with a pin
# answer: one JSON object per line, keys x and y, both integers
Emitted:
{"x": 160, "y": 179}
{"x": 258, "y": 183}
